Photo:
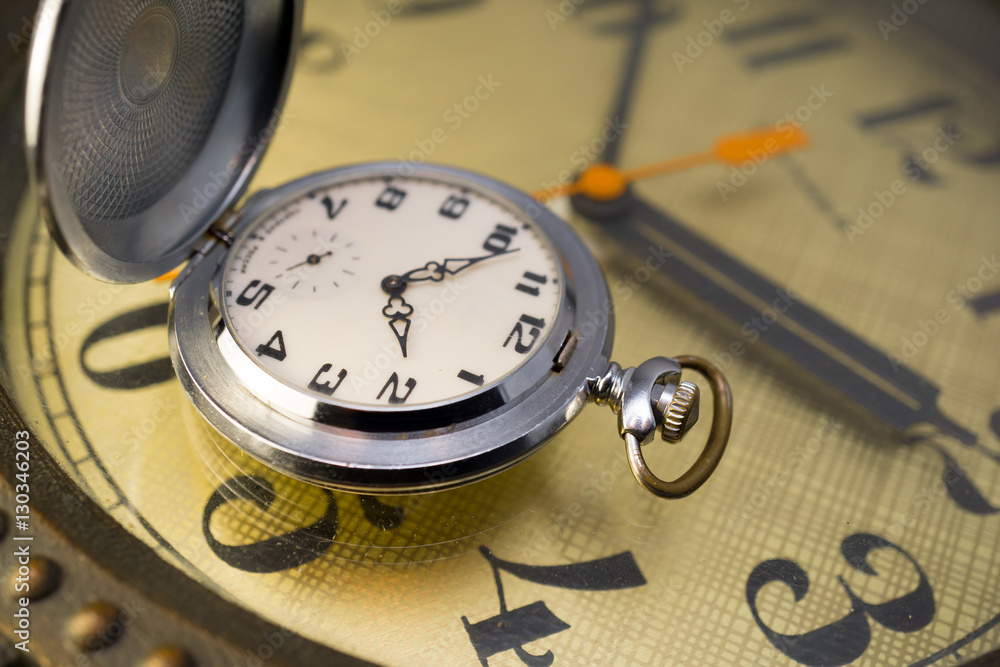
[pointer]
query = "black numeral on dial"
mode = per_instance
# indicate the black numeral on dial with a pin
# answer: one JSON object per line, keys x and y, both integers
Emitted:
{"x": 500, "y": 239}
{"x": 809, "y": 42}
{"x": 390, "y": 198}
{"x": 471, "y": 377}
{"x": 847, "y": 639}
{"x": 326, "y": 387}
{"x": 453, "y": 207}
{"x": 394, "y": 397}
{"x": 536, "y": 325}
{"x": 260, "y": 295}
{"x": 274, "y": 348}
{"x": 333, "y": 208}
{"x": 531, "y": 278}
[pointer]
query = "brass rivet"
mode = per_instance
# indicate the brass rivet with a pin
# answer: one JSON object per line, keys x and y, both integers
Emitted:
{"x": 168, "y": 656}
{"x": 95, "y": 627}
{"x": 42, "y": 577}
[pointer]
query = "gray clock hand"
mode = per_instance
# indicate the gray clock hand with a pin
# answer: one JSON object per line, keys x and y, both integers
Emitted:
{"x": 883, "y": 386}
{"x": 626, "y": 88}
{"x": 311, "y": 259}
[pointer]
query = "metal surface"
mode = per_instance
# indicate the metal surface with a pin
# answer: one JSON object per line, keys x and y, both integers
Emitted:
{"x": 711, "y": 455}
{"x": 396, "y": 450}
{"x": 81, "y": 554}
{"x": 146, "y": 122}
{"x": 681, "y": 413}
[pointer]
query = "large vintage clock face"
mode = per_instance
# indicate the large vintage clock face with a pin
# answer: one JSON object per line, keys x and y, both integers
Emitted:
{"x": 845, "y": 290}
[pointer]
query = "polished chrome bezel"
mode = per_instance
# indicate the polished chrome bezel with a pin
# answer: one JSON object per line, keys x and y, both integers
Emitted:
{"x": 401, "y": 449}
{"x": 156, "y": 240}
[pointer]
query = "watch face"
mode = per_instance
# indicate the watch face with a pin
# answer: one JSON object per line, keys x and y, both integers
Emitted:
{"x": 848, "y": 290}
{"x": 391, "y": 292}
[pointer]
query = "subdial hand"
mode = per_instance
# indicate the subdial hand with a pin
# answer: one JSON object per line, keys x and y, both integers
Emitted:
{"x": 604, "y": 182}
{"x": 311, "y": 260}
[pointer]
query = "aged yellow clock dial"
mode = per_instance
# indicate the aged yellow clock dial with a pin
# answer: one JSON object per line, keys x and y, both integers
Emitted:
{"x": 841, "y": 529}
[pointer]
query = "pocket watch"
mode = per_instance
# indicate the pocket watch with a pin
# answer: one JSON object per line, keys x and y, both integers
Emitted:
{"x": 387, "y": 327}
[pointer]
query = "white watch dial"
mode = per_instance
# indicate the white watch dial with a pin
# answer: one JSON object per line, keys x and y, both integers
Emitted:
{"x": 391, "y": 292}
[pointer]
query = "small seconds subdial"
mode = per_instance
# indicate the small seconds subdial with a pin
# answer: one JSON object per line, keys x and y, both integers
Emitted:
{"x": 392, "y": 292}
{"x": 302, "y": 258}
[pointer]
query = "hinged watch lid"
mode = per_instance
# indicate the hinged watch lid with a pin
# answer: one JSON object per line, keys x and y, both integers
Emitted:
{"x": 145, "y": 121}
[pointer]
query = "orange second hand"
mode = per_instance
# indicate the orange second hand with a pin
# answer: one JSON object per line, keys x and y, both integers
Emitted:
{"x": 731, "y": 149}
{"x": 667, "y": 166}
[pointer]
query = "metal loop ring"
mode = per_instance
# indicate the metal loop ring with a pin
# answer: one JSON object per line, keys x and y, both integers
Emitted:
{"x": 718, "y": 438}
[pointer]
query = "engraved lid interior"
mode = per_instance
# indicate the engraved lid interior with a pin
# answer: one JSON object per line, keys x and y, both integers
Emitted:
{"x": 146, "y": 120}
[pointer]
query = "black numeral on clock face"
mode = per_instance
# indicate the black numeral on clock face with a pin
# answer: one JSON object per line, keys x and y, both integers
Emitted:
{"x": 471, "y": 377}
{"x": 325, "y": 387}
{"x": 804, "y": 28}
{"x": 500, "y": 239}
{"x": 530, "y": 277}
{"x": 390, "y": 198}
{"x": 332, "y": 208}
{"x": 260, "y": 295}
{"x": 394, "y": 397}
{"x": 536, "y": 325}
{"x": 274, "y": 348}
{"x": 986, "y": 304}
{"x": 453, "y": 207}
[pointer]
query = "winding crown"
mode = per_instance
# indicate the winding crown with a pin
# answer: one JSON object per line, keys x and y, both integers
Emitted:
{"x": 681, "y": 413}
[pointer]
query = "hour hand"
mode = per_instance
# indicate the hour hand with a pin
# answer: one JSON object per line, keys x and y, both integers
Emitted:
{"x": 398, "y": 312}
{"x": 876, "y": 381}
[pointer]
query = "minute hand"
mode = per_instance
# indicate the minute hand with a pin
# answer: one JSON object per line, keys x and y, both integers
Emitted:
{"x": 436, "y": 271}
{"x": 889, "y": 390}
